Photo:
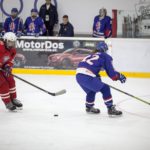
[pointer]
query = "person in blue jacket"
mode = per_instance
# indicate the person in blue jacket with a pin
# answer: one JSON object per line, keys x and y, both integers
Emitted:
{"x": 13, "y": 23}
{"x": 88, "y": 78}
{"x": 66, "y": 28}
{"x": 34, "y": 25}
{"x": 102, "y": 26}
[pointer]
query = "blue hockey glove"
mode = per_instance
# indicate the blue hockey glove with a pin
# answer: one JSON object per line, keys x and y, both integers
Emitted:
{"x": 2, "y": 33}
{"x": 37, "y": 34}
{"x": 7, "y": 70}
{"x": 41, "y": 33}
{"x": 19, "y": 34}
{"x": 122, "y": 78}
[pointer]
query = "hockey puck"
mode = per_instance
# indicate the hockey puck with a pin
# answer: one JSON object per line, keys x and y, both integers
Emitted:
{"x": 55, "y": 115}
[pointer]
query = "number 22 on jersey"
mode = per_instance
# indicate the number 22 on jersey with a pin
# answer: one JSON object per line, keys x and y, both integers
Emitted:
{"x": 90, "y": 59}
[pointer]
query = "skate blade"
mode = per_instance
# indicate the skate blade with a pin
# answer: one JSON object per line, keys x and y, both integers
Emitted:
{"x": 14, "y": 111}
{"x": 19, "y": 108}
{"x": 91, "y": 113}
{"x": 115, "y": 116}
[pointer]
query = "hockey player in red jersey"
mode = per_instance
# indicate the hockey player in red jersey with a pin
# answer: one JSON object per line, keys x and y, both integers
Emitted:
{"x": 7, "y": 82}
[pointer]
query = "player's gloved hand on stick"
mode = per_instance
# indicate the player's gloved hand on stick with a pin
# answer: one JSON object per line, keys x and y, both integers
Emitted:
{"x": 19, "y": 34}
{"x": 122, "y": 78}
{"x": 7, "y": 70}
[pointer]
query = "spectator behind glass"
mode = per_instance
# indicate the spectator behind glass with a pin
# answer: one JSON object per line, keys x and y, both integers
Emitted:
{"x": 49, "y": 14}
{"x": 102, "y": 27}
{"x": 13, "y": 23}
{"x": 34, "y": 25}
{"x": 66, "y": 28}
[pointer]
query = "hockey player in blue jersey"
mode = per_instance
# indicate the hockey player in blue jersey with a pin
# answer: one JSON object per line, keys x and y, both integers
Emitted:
{"x": 102, "y": 27}
{"x": 88, "y": 78}
{"x": 34, "y": 25}
{"x": 13, "y": 23}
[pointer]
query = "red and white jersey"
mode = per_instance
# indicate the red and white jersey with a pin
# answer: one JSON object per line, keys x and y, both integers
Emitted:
{"x": 6, "y": 55}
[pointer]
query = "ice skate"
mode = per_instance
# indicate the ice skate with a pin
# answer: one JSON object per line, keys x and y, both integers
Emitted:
{"x": 10, "y": 106}
{"x": 92, "y": 110}
{"x": 17, "y": 103}
{"x": 113, "y": 112}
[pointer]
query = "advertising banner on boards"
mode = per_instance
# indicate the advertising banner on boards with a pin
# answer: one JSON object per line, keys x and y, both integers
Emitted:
{"x": 52, "y": 53}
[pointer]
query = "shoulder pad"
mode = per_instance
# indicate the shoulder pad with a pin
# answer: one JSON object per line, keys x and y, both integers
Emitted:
{"x": 107, "y": 17}
{"x": 107, "y": 56}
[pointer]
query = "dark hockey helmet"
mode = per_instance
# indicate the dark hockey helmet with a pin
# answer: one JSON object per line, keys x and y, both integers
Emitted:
{"x": 14, "y": 10}
{"x": 34, "y": 10}
{"x": 101, "y": 47}
{"x": 34, "y": 13}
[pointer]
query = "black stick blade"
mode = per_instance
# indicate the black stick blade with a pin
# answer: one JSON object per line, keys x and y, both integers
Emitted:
{"x": 60, "y": 92}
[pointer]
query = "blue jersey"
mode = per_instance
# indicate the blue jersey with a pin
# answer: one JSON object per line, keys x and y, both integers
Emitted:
{"x": 34, "y": 26}
{"x": 13, "y": 25}
{"x": 102, "y": 27}
{"x": 97, "y": 62}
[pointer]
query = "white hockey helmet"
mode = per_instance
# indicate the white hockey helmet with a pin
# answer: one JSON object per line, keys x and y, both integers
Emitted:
{"x": 10, "y": 40}
{"x": 9, "y": 36}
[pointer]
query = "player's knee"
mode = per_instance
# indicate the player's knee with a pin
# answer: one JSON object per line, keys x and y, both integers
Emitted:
{"x": 105, "y": 89}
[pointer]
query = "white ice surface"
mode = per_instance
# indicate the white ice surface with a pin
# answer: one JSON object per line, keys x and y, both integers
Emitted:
{"x": 36, "y": 128}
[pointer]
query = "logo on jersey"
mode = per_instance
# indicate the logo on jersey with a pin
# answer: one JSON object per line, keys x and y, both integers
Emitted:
{"x": 32, "y": 26}
{"x": 98, "y": 25}
{"x": 12, "y": 26}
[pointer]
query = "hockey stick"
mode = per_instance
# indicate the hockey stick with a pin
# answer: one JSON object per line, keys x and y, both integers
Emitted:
{"x": 50, "y": 93}
{"x": 137, "y": 98}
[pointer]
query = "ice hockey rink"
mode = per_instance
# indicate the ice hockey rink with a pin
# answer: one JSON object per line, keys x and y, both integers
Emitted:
{"x": 36, "y": 128}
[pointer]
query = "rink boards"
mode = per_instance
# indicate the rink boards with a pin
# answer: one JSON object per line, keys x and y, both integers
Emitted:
{"x": 73, "y": 72}
{"x": 60, "y": 55}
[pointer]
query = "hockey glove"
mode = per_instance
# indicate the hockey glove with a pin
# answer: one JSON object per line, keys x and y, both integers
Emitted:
{"x": 41, "y": 33}
{"x": 19, "y": 34}
{"x": 2, "y": 33}
{"x": 37, "y": 34}
{"x": 122, "y": 78}
{"x": 7, "y": 70}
